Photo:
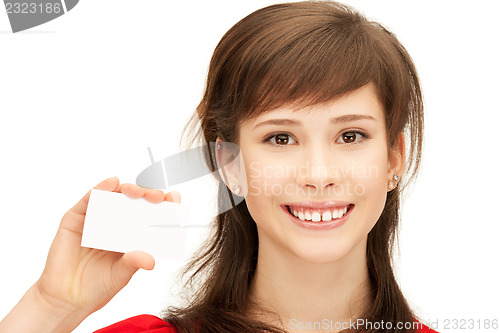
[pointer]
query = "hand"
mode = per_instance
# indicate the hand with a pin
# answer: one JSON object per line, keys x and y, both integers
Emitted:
{"x": 82, "y": 279}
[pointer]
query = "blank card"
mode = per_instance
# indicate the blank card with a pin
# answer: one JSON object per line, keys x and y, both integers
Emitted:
{"x": 115, "y": 222}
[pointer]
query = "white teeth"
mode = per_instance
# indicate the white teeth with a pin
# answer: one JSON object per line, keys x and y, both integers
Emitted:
{"x": 316, "y": 216}
{"x": 327, "y": 216}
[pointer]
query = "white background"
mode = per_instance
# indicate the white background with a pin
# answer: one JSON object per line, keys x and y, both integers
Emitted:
{"x": 83, "y": 96}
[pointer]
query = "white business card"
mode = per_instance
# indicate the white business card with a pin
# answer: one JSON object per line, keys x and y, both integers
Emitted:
{"x": 115, "y": 222}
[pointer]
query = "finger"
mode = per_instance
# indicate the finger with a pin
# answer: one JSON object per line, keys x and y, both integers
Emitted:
{"x": 131, "y": 190}
{"x": 154, "y": 196}
{"x": 109, "y": 184}
{"x": 173, "y": 196}
{"x": 134, "y": 191}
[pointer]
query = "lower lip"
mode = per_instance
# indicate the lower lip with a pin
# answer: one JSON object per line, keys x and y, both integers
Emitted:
{"x": 320, "y": 225}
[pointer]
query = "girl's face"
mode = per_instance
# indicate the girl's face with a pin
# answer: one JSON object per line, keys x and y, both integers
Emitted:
{"x": 330, "y": 152}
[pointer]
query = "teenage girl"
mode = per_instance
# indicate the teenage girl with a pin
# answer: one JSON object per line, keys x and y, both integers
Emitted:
{"x": 326, "y": 110}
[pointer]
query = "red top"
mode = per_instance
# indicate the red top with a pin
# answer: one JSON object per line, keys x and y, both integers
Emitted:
{"x": 147, "y": 323}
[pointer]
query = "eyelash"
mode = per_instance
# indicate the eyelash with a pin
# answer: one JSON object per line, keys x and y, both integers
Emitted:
{"x": 268, "y": 138}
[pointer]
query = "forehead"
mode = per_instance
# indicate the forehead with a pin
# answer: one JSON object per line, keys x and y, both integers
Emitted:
{"x": 363, "y": 101}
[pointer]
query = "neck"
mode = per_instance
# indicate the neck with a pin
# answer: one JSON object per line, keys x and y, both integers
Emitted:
{"x": 302, "y": 292}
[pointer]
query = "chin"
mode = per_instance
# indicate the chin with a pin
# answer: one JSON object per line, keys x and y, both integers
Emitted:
{"x": 321, "y": 252}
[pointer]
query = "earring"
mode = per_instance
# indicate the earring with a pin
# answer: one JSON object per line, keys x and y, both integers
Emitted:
{"x": 236, "y": 189}
{"x": 218, "y": 146}
{"x": 392, "y": 184}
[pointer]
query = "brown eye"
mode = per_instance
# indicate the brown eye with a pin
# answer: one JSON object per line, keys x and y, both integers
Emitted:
{"x": 349, "y": 137}
{"x": 352, "y": 137}
{"x": 281, "y": 139}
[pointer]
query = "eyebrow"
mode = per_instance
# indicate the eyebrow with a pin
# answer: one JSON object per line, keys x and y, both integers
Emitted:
{"x": 332, "y": 121}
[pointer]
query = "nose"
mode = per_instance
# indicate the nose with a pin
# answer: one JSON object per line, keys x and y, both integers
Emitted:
{"x": 318, "y": 172}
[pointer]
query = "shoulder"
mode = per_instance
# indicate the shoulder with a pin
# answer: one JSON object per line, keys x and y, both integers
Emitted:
{"x": 139, "y": 324}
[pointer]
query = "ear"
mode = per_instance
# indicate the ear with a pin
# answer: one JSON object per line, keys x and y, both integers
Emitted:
{"x": 396, "y": 158}
{"x": 231, "y": 167}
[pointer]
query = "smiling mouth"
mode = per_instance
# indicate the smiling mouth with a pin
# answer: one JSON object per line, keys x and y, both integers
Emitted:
{"x": 319, "y": 215}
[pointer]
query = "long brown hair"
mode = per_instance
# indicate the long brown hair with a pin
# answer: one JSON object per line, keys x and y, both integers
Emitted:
{"x": 299, "y": 54}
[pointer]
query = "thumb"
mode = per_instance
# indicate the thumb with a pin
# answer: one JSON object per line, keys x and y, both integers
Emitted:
{"x": 109, "y": 184}
{"x": 129, "y": 264}
{"x": 137, "y": 259}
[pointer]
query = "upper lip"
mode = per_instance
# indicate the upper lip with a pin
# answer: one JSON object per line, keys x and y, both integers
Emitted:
{"x": 318, "y": 204}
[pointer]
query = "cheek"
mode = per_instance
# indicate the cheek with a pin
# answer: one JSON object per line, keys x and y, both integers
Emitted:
{"x": 371, "y": 176}
{"x": 266, "y": 181}
{"x": 258, "y": 202}
{"x": 265, "y": 178}
{"x": 370, "y": 163}
{"x": 371, "y": 183}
